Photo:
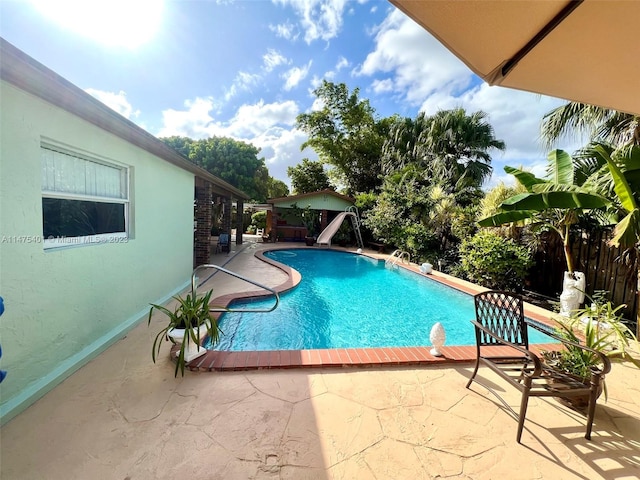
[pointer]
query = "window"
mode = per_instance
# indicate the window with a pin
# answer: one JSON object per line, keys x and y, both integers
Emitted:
{"x": 84, "y": 200}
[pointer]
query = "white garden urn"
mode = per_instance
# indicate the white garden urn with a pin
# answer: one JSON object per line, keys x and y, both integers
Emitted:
{"x": 426, "y": 268}
{"x": 572, "y": 292}
{"x": 192, "y": 349}
{"x": 437, "y": 337}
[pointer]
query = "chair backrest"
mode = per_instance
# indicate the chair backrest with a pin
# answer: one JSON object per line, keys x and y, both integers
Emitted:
{"x": 223, "y": 239}
{"x": 503, "y": 314}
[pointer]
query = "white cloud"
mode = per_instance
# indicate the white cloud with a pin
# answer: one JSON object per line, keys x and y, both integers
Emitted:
{"x": 342, "y": 63}
{"x": 382, "y": 86}
{"x": 295, "y": 75}
{"x": 286, "y": 30}
{"x": 281, "y": 149}
{"x": 418, "y": 69}
{"x": 252, "y": 120}
{"x": 115, "y": 101}
{"x": 243, "y": 82}
{"x": 268, "y": 126}
{"x": 320, "y": 19}
{"x": 273, "y": 59}
{"x": 420, "y": 65}
{"x": 194, "y": 122}
{"x": 315, "y": 82}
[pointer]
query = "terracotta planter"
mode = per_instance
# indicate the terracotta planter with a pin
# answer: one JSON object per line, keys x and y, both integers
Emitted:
{"x": 310, "y": 241}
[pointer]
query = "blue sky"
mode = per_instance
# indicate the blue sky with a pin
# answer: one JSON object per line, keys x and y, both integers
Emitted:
{"x": 246, "y": 68}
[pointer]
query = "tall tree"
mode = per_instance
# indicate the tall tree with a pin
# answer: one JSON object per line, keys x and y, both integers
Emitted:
{"x": 600, "y": 124}
{"x": 345, "y": 134}
{"x": 450, "y": 148}
{"x": 461, "y": 145}
{"x": 402, "y": 146}
{"x": 308, "y": 176}
{"x": 232, "y": 160}
{"x": 277, "y": 188}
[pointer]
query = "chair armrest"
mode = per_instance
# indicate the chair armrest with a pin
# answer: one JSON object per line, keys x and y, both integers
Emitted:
{"x": 537, "y": 364}
{"x": 606, "y": 363}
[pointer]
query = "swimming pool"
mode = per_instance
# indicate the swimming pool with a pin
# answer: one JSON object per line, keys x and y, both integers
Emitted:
{"x": 347, "y": 300}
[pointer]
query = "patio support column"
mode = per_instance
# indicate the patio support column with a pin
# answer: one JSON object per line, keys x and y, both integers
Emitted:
{"x": 323, "y": 220}
{"x": 202, "y": 240}
{"x": 239, "y": 218}
{"x": 226, "y": 214}
{"x": 270, "y": 226}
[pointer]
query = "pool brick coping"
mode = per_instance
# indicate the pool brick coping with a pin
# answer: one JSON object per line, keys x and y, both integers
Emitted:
{"x": 215, "y": 360}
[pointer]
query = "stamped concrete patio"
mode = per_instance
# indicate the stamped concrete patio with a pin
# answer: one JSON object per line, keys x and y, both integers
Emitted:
{"x": 123, "y": 417}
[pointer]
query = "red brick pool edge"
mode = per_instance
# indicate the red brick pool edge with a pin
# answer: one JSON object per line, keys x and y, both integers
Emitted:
{"x": 215, "y": 360}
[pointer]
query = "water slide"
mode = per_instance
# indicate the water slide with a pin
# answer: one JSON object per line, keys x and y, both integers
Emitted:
{"x": 327, "y": 234}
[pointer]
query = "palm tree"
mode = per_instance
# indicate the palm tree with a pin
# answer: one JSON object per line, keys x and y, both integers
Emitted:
{"x": 461, "y": 145}
{"x": 449, "y": 148}
{"x": 600, "y": 124}
{"x": 400, "y": 149}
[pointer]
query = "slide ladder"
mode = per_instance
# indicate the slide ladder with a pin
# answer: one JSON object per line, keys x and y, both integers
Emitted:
{"x": 397, "y": 256}
{"x": 355, "y": 223}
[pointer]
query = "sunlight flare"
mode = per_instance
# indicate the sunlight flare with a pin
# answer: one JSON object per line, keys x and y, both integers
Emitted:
{"x": 120, "y": 23}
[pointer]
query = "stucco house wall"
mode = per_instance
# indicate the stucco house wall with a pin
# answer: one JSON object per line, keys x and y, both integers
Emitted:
{"x": 65, "y": 305}
{"x": 70, "y": 165}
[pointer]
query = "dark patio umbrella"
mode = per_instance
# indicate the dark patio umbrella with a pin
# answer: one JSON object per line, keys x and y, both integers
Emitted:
{"x": 582, "y": 50}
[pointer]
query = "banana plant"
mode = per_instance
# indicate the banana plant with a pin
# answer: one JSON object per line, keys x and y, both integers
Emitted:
{"x": 624, "y": 168}
{"x": 556, "y": 202}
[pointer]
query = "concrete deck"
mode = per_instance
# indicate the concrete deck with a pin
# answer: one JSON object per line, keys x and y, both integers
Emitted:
{"x": 123, "y": 417}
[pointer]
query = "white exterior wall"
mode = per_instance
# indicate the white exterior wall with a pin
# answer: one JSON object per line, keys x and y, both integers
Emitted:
{"x": 64, "y": 306}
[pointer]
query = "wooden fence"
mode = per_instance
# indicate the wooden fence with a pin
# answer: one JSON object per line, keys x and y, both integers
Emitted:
{"x": 603, "y": 267}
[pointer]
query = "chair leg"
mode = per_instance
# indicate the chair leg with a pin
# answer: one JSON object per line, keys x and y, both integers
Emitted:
{"x": 591, "y": 410}
{"x": 524, "y": 403}
{"x": 475, "y": 371}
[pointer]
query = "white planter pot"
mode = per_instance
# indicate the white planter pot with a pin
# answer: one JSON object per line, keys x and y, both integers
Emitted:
{"x": 572, "y": 293}
{"x": 426, "y": 268}
{"x": 192, "y": 350}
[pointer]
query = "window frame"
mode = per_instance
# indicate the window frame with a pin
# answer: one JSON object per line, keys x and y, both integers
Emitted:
{"x": 112, "y": 237}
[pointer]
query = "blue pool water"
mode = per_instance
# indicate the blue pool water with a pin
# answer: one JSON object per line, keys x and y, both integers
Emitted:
{"x": 350, "y": 301}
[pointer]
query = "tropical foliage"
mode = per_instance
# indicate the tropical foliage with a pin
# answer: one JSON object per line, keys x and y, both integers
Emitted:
{"x": 599, "y": 124}
{"x": 231, "y": 160}
{"x": 450, "y": 149}
{"x": 308, "y": 176}
{"x": 556, "y": 202}
{"x": 191, "y": 313}
{"x": 494, "y": 261}
{"x": 346, "y": 135}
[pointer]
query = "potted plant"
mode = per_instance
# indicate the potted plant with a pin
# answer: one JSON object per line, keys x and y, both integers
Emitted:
{"x": 342, "y": 236}
{"x": 188, "y": 323}
{"x": 599, "y": 327}
{"x": 310, "y": 219}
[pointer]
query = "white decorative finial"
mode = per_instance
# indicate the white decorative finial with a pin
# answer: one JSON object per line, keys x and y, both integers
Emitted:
{"x": 437, "y": 337}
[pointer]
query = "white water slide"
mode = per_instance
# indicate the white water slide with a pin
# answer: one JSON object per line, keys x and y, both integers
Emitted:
{"x": 327, "y": 234}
